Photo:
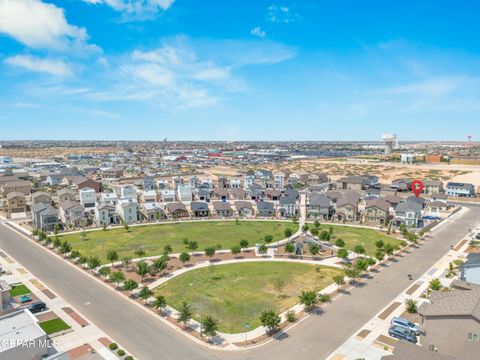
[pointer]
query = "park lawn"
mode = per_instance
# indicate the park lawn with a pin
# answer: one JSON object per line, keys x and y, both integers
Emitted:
{"x": 236, "y": 294}
{"x": 19, "y": 290}
{"x": 153, "y": 238}
{"x": 357, "y": 235}
{"x": 53, "y": 326}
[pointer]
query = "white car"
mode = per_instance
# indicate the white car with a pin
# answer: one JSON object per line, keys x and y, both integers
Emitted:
{"x": 406, "y": 324}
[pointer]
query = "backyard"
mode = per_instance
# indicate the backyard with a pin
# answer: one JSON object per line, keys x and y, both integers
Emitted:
{"x": 236, "y": 294}
{"x": 153, "y": 238}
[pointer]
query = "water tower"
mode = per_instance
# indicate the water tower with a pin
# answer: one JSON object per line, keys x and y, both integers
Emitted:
{"x": 390, "y": 141}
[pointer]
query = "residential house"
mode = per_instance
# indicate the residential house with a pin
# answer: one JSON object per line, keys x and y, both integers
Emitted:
{"x": 148, "y": 183}
{"x": 255, "y": 192}
{"x": 320, "y": 188}
{"x": 402, "y": 185}
{"x": 334, "y": 196}
{"x": 436, "y": 207}
{"x": 347, "y": 207}
{"x": 199, "y": 209}
{"x": 21, "y": 186}
{"x": 357, "y": 183}
{"x": 71, "y": 213}
{"x": 244, "y": 208}
{"x": 65, "y": 194}
{"x": 432, "y": 187}
{"x": 292, "y": 192}
{"x": 223, "y": 182}
{"x": 279, "y": 180}
{"x": 220, "y": 194}
{"x": 54, "y": 179}
{"x": 372, "y": 193}
{"x": 151, "y": 211}
{"x": 319, "y": 206}
{"x": 88, "y": 198}
{"x": 287, "y": 207}
{"x": 238, "y": 194}
{"x": 41, "y": 197}
{"x": 248, "y": 180}
{"x": 273, "y": 194}
{"x": 194, "y": 182}
{"x": 162, "y": 184}
{"x": 235, "y": 184}
{"x": 407, "y": 351}
{"x": 376, "y": 212}
{"x": 16, "y": 203}
{"x": 113, "y": 173}
{"x": 184, "y": 192}
{"x": 420, "y": 201}
{"x": 470, "y": 269}
{"x": 106, "y": 213}
{"x": 176, "y": 180}
{"x": 451, "y": 321}
{"x": 456, "y": 189}
{"x": 44, "y": 216}
{"x": 168, "y": 195}
{"x": 149, "y": 196}
{"x": 177, "y": 210}
{"x": 265, "y": 209}
{"x": 128, "y": 192}
{"x": 204, "y": 194}
{"x": 393, "y": 200}
{"x": 222, "y": 209}
{"x": 109, "y": 198}
{"x": 440, "y": 197}
{"x": 409, "y": 213}
{"x": 127, "y": 209}
{"x": 89, "y": 183}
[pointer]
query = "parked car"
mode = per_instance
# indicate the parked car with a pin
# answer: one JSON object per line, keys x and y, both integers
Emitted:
{"x": 407, "y": 324}
{"x": 477, "y": 236}
{"x": 37, "y": 307}
{"x": 402, "y": 333}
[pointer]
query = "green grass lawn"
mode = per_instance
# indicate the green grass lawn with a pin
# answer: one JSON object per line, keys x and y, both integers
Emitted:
{"x": 237, "y": 293}
{"x": 152, "y": 238}
{"x": 356, "y": 235}
{"x": 18, "y": 290}
{"x": 53, "y": 326}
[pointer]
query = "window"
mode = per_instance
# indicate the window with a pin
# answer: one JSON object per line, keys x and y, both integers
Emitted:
{"x": 473, "y": 337}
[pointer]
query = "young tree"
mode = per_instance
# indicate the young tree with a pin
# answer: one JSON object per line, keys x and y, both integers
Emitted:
{"x": 192, "y": 245}
{"x": 339, "y": 280}
{"x": 83, "y": 235}
{"x": 270, "y": 319}
{"x": 308, "y": 298}
{"x": 130, "y": 285}
{"x": 104, "y": 226}
{"x": 160, "y": 264}
{"x": 289, "y": 248}
{"x": 65, "y": 247}
{"x": 243, "y": 244}
{"x": 74, "y": 254}
{"x": 142, "y": 269}
{"x": 325, "y": 236}
{"x": 330, "y": 230}
{"x": 167, "y": 249}
{"x": 342, "y": 254}
{"x": 56, "y": 229}
{"x": 340, "y": 243}
{"x": 379, "y": 244}
{"x": 209, "y": 326}
{"x": 314, "y": 249}
{"x": 184, "y": 257}
{"x": 117, "y": 277}
{"x": 316, "y": 224}
{"x": 262, "y": 249}
{"x": 126, "y": 260}
{"x": 57, "y": 242}
{"x": 112, "y": 256}
{"x": 379, "y": 255}
{"x": 160, "y": 303}
{"x": 210, "y": 251}
{"x": 351, "y": 273}
{"x": 288, "y": 232}
{"x": 389, "y": 249}
{"x": 359, "y": 249}
{"x": 235, "y": 250}
{"x": 314, "y": 231}
{"x": 278, "y": 284}
{"x": 268, "y": 239}
{"x": 145, "y": 293}
{"x": 185, "y": 314}
{"x": 93, "y": 262}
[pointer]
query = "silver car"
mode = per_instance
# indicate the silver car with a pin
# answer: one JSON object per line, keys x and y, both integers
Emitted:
{"x": 406, "y": 324}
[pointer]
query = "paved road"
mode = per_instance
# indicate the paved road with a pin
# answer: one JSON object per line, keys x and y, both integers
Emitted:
{"x": 314, "y": 338}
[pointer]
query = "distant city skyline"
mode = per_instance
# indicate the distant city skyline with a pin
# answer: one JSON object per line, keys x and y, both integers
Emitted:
{"x": 239, "y": 70}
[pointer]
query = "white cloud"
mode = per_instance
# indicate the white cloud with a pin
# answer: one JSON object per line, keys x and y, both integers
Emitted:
{"x": 257, "y": 31}
{"x": 41, "y": 26}
{"x": 50, "y": 66}
{"x": 281, "y": 14}
{"x": 139, "y": 9}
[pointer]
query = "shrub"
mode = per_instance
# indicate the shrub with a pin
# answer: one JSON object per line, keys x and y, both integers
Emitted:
{"x": 411, "y": 306}
{"x": 324, "y": 298}
{"x": 113, "y": 346}
{"x": 121, "y": 352}
{"x": 340, "y": 243}
{"x": 291, "y": 316}
{"x": 128, "y": 357}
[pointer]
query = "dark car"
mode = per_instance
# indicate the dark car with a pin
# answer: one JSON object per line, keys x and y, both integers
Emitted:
{"x": 402, "y": 333}
{"x": 477, "y": 236}
{"x": 37, "y": 307}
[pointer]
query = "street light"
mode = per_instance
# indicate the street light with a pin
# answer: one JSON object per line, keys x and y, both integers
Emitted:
{"x": 246, "y": 326}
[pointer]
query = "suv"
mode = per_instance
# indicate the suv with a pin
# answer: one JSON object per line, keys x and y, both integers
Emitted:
{"x": 37, "y": 307}
{"x": 402, "y": 333}
{"x": 404, "y": 323}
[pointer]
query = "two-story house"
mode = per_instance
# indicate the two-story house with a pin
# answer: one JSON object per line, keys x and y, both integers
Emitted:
{"x": 409, "y": 213}
{"x": 44, "y": 216}
{"x": 71, "y": 213}
{"x": 376, "y": 212}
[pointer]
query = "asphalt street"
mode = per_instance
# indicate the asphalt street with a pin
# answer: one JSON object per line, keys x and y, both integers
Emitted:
{"x": 315, "y": 338}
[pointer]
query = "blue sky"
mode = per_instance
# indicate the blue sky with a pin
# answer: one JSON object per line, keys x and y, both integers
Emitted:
{"x": 239, "y": 70}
